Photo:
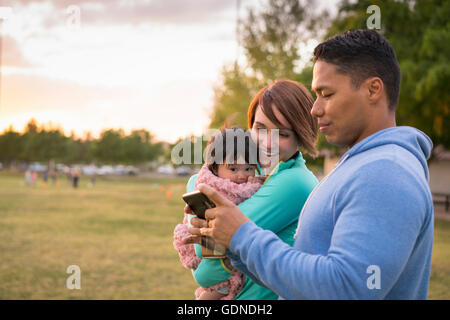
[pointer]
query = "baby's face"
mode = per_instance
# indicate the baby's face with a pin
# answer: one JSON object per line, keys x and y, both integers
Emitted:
{"x": 237, "y": 173}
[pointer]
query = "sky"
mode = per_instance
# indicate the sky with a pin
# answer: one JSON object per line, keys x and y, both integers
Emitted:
{"x": 87, "y": 65}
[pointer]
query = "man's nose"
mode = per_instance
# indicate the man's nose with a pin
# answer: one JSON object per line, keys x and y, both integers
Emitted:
{"x": 317, "y": 110}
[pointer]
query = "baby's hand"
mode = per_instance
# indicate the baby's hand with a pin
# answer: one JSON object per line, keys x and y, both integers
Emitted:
{"x": 257, "y": 179}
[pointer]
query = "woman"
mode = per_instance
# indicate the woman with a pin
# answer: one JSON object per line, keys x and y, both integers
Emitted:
{"x": 284, "y": 106}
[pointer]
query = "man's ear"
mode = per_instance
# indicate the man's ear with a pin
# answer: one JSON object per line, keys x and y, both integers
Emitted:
{"x": 374, "y": 89}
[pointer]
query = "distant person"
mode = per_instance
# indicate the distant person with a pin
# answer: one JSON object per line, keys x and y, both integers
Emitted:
{"x": 93, "y": 178}
{"x": 45, "y": 176}
{"x": 75, "y": 176}
{"x": 28, "y": 177}
{"x": 34, "y": 177}
{"x": 68, "y": 173}
{"x": 54, "y": 176}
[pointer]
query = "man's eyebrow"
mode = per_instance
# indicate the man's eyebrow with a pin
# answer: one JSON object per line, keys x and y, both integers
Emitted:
{"x": 318, "y": 89}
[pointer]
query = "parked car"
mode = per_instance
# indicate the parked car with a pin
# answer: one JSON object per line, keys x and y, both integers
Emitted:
{"x": 38, "y": 167}
{"x": 183, "y": 171}
{"x": 166, "y": 169}
{"x": 131, "y": 171}
{"x": 105, "y": 170}
{"x": 119, "y": 170}
{"x": 89, "y": 170}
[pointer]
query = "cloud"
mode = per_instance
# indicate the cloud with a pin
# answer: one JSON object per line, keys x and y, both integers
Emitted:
{"x": 12, "y": 55}
{"x": 136, "y": 12}
{"x": 169, "y": 111}
{"x": 29, "y": 93}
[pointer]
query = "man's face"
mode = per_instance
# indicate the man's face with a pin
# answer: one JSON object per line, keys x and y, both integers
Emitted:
{"x": 341, "y": 110}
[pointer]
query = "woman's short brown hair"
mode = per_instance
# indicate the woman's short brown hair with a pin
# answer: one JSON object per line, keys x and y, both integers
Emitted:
{"x": 294, "y": 102}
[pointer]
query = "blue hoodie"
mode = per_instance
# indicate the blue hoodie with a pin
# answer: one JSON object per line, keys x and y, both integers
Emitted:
{"x": 365, "y": 232}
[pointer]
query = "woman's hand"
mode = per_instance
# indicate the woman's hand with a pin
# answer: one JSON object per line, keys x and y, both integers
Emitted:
{"x": 221, "y": 222}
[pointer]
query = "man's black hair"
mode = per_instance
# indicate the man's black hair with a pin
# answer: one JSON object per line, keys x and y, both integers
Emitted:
{"x": 362, "y": 54}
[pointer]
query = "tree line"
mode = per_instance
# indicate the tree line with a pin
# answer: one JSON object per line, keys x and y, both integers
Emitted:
{"x": 113, "y": 146}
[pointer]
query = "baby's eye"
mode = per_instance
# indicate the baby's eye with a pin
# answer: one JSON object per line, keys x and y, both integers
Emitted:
{"x": 233, "y": 169}
{"x": 249, "y": 169}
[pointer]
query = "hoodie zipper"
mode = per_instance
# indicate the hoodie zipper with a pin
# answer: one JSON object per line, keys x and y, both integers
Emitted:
{"x": 315, "y": 190}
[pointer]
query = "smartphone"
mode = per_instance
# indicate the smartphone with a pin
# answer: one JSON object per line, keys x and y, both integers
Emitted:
{"x": 198, "y": 202}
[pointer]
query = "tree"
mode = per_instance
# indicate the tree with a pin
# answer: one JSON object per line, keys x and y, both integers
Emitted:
{"x": 108, "y": 148}
{"x": 270, "y": 39}
{"x": 10, "y": 146}
{"x": 232, "y": 97}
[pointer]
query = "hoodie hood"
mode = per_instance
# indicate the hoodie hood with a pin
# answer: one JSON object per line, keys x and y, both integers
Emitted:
{"x": 411, "y": 139}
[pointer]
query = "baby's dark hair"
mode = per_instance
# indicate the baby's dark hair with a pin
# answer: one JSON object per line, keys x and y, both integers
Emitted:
{"x": 231, "y": 145}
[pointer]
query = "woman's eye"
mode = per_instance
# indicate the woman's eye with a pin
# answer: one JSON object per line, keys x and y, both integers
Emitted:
{"x": 326, "y": 96}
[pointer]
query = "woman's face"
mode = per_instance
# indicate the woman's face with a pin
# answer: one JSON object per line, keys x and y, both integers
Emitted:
{"x": 287, "y": 143}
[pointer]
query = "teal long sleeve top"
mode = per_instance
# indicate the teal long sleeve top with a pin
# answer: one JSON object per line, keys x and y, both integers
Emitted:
{"x": 276, "y": 207}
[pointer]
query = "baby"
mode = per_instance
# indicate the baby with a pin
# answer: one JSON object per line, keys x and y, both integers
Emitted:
{"x": 232, "y": 173}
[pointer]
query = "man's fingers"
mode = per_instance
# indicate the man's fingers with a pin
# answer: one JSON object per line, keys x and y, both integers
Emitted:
{"x": 212, "y": 194}
{"x": 195, "y": 231}
{"x": 210, "y": 214}
{"x": 206, "y": 232}
{"x": 199, "y": 223}
{"x": 193, "y": 239}
{"x": 188, "y": 209}
{"x": 200, "y": 231}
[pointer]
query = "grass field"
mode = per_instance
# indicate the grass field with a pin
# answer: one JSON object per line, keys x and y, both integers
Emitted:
{"x": 119, "y": 233}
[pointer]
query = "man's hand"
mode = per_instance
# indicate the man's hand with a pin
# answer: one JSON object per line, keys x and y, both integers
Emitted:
{"x": 221, "y": 222}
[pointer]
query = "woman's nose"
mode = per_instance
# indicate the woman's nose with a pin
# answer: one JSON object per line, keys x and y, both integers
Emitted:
{"x": 265, "y": 138}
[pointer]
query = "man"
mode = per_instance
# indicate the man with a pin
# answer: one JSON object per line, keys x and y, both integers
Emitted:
{"x": 366, "y": 231}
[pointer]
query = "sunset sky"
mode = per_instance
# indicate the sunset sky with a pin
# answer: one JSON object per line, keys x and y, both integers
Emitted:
{"x": 127, "y": 64}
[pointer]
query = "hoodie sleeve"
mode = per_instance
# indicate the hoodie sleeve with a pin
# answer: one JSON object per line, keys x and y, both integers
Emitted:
{"x": 378, "y": 217}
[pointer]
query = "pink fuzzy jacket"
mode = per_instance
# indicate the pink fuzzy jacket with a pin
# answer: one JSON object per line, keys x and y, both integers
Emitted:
{"x": 236, "y": 193}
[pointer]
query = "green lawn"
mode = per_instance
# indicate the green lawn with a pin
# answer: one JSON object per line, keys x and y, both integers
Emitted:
{"x": 119, "y": 233}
